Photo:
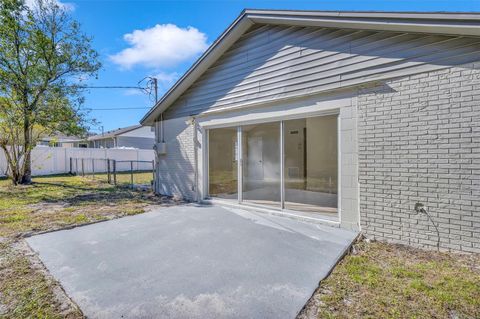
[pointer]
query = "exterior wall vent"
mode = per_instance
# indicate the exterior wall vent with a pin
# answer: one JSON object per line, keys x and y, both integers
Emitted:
{"x": 161, "y": 148}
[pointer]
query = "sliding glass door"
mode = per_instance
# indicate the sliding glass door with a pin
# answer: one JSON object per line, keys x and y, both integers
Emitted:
{"x": 261, "y": 164}
{"x": 223, "y": 163}
{"x": 311, "y": 164}
{"x": 291, "y": 164}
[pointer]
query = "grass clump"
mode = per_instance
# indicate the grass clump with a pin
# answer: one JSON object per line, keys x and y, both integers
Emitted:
{"x": 25, "y": 290}
{"x": 383, "y": 280}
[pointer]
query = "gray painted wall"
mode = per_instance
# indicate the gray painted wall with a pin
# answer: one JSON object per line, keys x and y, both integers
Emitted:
{"x": 136, "y": 142}
{"x": 124, "y": 141}
{"x": 102, "y": 143}
{"x": 175, "y": 170}
{"x": 274, "y": 62}
{"x": 419, "y": 141}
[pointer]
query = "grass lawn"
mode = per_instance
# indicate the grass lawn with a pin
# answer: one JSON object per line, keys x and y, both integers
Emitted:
{"x": 379, "y": 280}
{"x": 50, "y": 203}
{"x": 124, "y": 178}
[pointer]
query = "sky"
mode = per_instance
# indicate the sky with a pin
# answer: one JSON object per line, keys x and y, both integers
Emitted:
{"x": 137, "y": 39}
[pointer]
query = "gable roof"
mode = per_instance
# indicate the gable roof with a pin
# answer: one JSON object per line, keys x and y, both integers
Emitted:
{"x": 449, "y": 23}
{"x": 114, "y": 133}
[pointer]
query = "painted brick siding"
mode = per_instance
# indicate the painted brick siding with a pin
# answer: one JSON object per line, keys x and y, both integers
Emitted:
{"x": 176, "y": 173}
{"x": 419, "y": 141}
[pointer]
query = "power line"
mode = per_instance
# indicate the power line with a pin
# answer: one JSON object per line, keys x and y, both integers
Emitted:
{"x": 117, "y": 108}
{"x": 151, "y": 87}
{"x": 113, "y": 87}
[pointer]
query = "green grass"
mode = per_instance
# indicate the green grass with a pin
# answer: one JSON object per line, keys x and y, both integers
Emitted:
{"x": 45, "y": 189}
{"x": 124, "y": 178}
{"x": 392, "y": 281}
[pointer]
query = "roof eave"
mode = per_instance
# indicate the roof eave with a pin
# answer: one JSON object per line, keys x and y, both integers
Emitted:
{"x": 407, "y": 23}
{"x": 405, "y": 15}
{"x": 115, "y": 133}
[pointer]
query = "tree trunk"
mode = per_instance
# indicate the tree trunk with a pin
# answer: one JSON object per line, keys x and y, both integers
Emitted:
{"x": 12, "y": 169}
{"x": 27, "y": 158}
{"x": 27, "y": 172}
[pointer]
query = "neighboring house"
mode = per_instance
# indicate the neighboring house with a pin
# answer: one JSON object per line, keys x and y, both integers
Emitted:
{"x": 61, "y": 140}
{"x": 136, "y": 136}
{"x": 364, "y": 120}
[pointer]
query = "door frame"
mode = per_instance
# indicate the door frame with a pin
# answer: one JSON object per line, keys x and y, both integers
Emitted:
{"x": 205, "y": 155}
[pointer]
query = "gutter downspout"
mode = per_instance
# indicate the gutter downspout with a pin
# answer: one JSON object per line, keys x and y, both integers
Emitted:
{"x": 195, "y": 159}
{"x": 162, "y": 140}
{"x": 158, "y": 138}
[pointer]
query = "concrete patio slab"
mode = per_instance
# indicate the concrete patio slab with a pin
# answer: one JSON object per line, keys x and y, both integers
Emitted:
{"x": 192, "y": 262}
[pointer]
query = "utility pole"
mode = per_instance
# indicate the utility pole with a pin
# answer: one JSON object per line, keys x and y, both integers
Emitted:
{"x": 152, "y": 81}
{"x": 155, "y": 86}
{"x": 148, "y": 88}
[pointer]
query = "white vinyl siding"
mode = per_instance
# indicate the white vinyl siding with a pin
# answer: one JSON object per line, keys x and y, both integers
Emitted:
{"x": 277, "y": 62}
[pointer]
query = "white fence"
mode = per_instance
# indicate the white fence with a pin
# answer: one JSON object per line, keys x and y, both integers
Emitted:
{"x": 56, "y": 160}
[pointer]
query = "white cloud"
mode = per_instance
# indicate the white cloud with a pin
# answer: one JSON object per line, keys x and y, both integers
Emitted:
{"x": 166, "y": 80}
{"x": 68, "y": 6}
{"x": 163, "y": 46}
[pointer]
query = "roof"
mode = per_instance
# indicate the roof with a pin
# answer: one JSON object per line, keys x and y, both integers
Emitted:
{"x": 449, "y": 23}
{"x": 114, "y": 133}
{"x": 61, "y": 138}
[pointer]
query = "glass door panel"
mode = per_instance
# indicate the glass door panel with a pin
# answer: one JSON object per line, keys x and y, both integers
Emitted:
{"x": 261, "y": 164}
{"x": 311, "y": 165}
{"x": 223, "y": 163}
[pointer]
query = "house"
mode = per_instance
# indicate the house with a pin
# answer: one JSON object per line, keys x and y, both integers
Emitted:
{"x": 362, "y": 120}
{"x": 61, "y": 140}
{"x": 136, "y": 136}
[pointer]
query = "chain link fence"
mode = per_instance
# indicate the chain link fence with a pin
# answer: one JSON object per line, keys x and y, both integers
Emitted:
{"x": 130, "y": 173}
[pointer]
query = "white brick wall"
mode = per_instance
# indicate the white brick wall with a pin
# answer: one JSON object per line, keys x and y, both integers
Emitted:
{"x": 175, "y": 171}
{"x": 419, "y": 141}
{"x": 349, "y": 167}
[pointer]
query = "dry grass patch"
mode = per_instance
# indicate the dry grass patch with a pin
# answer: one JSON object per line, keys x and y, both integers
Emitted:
{"x": 379, "y": 280}
{"x": 26, "y": 291}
